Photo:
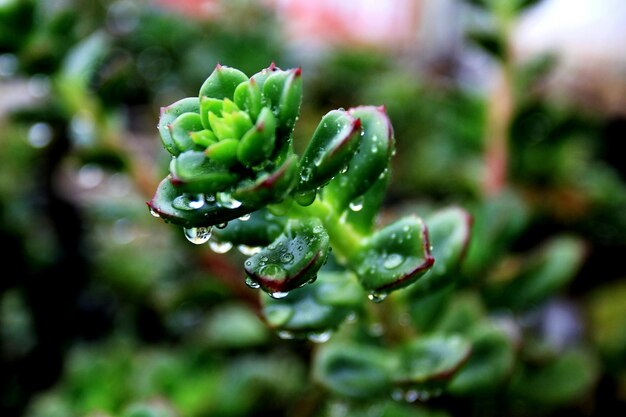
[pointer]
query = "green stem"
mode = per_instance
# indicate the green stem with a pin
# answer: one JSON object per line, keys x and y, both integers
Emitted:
{"x": 345, "y": 240}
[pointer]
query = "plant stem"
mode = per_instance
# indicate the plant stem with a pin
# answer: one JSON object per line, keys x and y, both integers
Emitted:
{"x": 345, "y": 240}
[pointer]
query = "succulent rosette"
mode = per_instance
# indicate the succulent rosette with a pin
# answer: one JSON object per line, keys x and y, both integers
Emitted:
{"x": 234, "y": 166}
{"x": 231, "y": 147}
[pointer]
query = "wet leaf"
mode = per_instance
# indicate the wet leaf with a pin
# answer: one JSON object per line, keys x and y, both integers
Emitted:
{"x": 292, "y": 260}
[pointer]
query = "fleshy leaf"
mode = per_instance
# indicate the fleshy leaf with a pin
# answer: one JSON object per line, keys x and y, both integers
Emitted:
{"x": 193, "y": 172}
{"x": 569, "y": 376}
{"x": 429, "y": 361}
{"x": 248, "y": 97}
{"x": 371, "y": 159}
{"x": 222, "y": 82}
{"x": 546, "y": 271}
{"x": 363, "y": 210}
{"x": 449, "y": 233}
{"x": 394, "y": 257}
{"x": 283, "y": 90}
{"x": 182, "y": 127}
{"x": 354, "y": 370}
{"x": 261, "y": 229}
{"x": 491, "y": 362}
{"x": 292, "y": 260}
{"x": 208, "y": 214}
{"x": 308, "y": 311}
{"x": 169, "y": 115}
{"x": 269, "y": 187}
{"x": 257, "y": 143}
{"x": 224, "y": 151}
{"x": 333, "y": 144}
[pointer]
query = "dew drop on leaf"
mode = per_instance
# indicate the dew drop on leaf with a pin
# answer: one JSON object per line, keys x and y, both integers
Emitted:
{"x": 356, "y": 204}
{"x": 278, "y": 294}
{"x": 154, "y": 212}
{"x": 306, "y": 198}
{"x": 393, "y": 261}
{"x": 227, "y": 201}
{"x": 252, "y": 284}
{"x": 377, "y": 297}
{"x": 245, "y": 217}
{"x": 286, "y": 258}
{"x": 198, "y": 235}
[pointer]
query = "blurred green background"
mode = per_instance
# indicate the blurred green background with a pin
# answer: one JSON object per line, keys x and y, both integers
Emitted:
{"x": 518, "y": 116}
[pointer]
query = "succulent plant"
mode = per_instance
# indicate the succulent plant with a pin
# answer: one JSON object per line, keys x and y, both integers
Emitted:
{"x": 234, "y": 167}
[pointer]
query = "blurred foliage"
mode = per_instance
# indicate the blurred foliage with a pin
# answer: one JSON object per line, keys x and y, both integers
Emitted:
{"x": 105, "y": 312}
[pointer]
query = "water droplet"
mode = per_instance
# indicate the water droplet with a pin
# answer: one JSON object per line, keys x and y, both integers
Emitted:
{"x": 344, "y": 170}
{"x": 321, "y": 337}
{"x": 285, "y": 334}
{"x": 278, "y": 294}
{"x": 249, "y": 250}
{"x": 305, "y": 174}
{"x": 196, "y": 202}
{"x": 273, "y": 271}
{"x": 222, "y": 225}
{"x": 245, "y": 217}
{"x": 356, "y": 204}
{"x": 318, "y": 229}
{"x": 154, "y": 213}
{"x": 220, "y": 247}
{"x": 188, "y": 202}
{"x": 286, "y": 258}
{"x": 393, "y": 261}
{"x": 306, "y": 198}
{"x": 210, "y": 198}
{"x": 198, "y": 235}
{"x": 376, "y": 297}
{"x": 227, "y": 201}
{"x": 252, "y": 284}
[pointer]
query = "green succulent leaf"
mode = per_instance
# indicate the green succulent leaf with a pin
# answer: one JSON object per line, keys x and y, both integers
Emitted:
{"x": 208, "y": 106}
{"x": 261, "y": 229}
{"x": 314, "y": 310}
{"x": 181, "y": 129}
{"x": 363, "y": 210}
{"x": 354, "y": 370}
{"x": 429, "y": 361}
{"x": 449, "y": 233}
{"x": 333, "y": 144}
{"x": 193, "y": 172}
{"x": 224, "y": 152}
{"x": 491, "y": 362}
{"x": 270, "y": 187}
{"x": 394, "y": 257}
{"x": 222, "y": 83}
{"x": 249, "y": 97}
{"x": 545, "y": 271}
{"x": 283, "y": 91}
{"x": 168, "y": 115}
{"x": 209, "y": 213}
{"x": 257, "y": 144}
{"x": 569, "y": 376}
{"x": 292, "y": 260}
{"x": 372, "y": 158}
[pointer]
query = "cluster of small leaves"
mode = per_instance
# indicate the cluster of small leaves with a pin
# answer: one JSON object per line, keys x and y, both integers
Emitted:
{"x": 234, "y": 166}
